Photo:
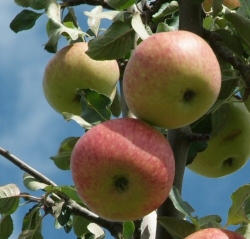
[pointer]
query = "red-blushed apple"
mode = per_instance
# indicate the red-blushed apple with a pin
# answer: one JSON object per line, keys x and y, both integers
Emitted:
{"x": 123, "y": 169}
{"x": 215, "y": 233}
{"x": 71, "y": 68}
{"x": 228, "y": 150}
{"x": 171, "y": 79}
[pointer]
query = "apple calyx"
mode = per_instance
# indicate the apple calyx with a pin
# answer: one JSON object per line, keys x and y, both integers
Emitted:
{"x": 121, "y": 183}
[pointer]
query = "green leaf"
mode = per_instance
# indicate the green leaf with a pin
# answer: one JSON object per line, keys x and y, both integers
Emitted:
{"x": 68, "y": 191}
{"x": 32, "y": 183}
{"x": 115, "y": 43}
{"x": 128, "y": 229}
{"x": 40, "y": 4}
{"x": 32, "y": 219}
{"x": 166, "y": 9}
{"x": 95, "y": 106}
{"x": 80, "y": 225}
{"x": 116, "y": 105}
{"x": 30, "y": 234}
{"x": 181, "y": 205}
{"x": 177, "y": 228}
{"x": 64, "y": 215}
{"x": 6, "y": 226}
{"x": 8, "y": 200}
{"x": 62, "y": 158}
{"x": 217, "y": 7}
{"x": 111, "y": 15}
{"x": 237, "y": 213}
{"x": 25, "y": 20}
{"x": 241, "y": 25}
{"x": 23, "y": 3}
{"x": 79, "y": 120}
{"x": 120, "y": 4}
{"x": 210, "y": 221}
{"x": 71, "y": 17}
{"x": 94, "y": 23}
{"x": 244, "y": 230}
{"x": 138, "y": 26}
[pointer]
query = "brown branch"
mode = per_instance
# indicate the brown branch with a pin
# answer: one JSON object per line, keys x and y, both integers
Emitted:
{"x": 115, "y": 228}
{"x": 227, "y": 55}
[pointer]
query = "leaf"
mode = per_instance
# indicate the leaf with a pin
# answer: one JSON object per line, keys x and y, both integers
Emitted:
{"x": 64, "y": 215}
{"x": 217, "y": 7}
{"x": 32, "y": 220}
{"x": 8, "y": 200}
{"x": 241, "y": 25}
{"x": 32, "y": 183}
{"x": 237, "y": 213}
{"x": 95, "y": 106}
{"x": 97, "y": 231}
{"x": 116, "y": 105}
{"x": 24, "y": 20}
{"x": 71, "y": 17}
{"x": 23, "y": 3}
{"x": 111, "y": 15}
{"x": 120, "y": 4}
{"x": 181, "y": 205}
{"x": 177, "y": 228}
{"x": 30, "y": 234}
{"x": 68, "y": 191}
{"x": 128, "y": 229}
{"x": 79, "y": 120}
{"x": 94, "y": 23}
{"x": 138, "y": 26}
{"x": 40, "y": 4}
{"x": 115, "y": 43}
{"x": 62, "y": 158}
{"x": 210, "y": 221}
{"x": 80, "y": 225}
{"x": 6, "y": 226}
{"x": 244, "y": 230}
{"x": 166, "y": 9}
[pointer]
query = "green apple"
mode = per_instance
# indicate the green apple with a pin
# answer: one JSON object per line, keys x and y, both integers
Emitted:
{"x": 231, "y": 4}
{"x": 229, "y": 149}
{"x": 171, "y": 79}
{"x": 215, "y": 233}
{"x": 123, "y": 169}
{"x": 71, "y": 68}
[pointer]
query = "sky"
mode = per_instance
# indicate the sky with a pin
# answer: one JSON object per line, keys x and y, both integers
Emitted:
{"x": 32, "y": 130}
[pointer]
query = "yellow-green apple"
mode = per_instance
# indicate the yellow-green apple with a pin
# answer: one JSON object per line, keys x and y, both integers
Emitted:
{"x": 215, "y": 233}
{"x": 123, "y": 169}
{"x": 71, "y": 68}
{"x": 231, "y": 4}
{"x": 229, "y": 149}
{"x": 171, "y": 79}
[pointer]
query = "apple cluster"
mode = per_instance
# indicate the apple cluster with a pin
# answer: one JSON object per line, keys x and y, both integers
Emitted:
{"x": 124, "y": 168}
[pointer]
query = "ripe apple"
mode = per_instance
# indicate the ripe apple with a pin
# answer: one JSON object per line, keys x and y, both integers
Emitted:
{"x": 171, "y": 79}
{"x": 228, "y": 150}
{"x": 215, "y": 233}
{"x": 231, "y": 4}
{"x": 123, "y": 169}
{"x": 71, "y": 68}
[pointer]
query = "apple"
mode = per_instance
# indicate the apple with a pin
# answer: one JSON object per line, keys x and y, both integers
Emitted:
{"x": 123, "y": 169}
{"x": 71, "y": 68}
{"x": 215, "y": 233}
{"x": 171, "y": 79}
{"x": 231, "y": 4}
{"x": 229, "y": 149}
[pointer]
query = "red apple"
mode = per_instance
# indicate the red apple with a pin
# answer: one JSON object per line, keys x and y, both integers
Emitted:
{"x": 123, "y": 169}
{"x": 172, "y": 79}
{"x": 71, "y": 68}
{"x": 215, "y": 233}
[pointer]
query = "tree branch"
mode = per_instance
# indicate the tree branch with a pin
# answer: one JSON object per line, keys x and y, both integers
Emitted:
{"x": 115, "y": 228}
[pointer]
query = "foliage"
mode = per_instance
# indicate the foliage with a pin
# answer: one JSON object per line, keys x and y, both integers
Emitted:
{"x": 130, "y": 23}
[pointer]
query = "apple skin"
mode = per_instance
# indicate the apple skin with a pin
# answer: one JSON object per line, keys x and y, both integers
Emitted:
{"x": 123, "y": 169}
{"x": 215, "y": 233}
{"x": 71, "y": 68}
{"x": 229, "y": 150}
{"x": 231, "y": 4}
{"x": 171, "y": 79}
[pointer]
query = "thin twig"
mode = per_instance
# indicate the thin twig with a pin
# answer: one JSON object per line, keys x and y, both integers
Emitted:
{"x": 113, "y": 227}
{"x": 25, "y": 167}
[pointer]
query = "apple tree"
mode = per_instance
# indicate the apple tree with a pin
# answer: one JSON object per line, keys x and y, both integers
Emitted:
{"x": 162, "y": 88}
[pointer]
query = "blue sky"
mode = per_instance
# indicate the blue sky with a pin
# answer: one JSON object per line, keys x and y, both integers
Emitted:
{"x": 31, "y": 130}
